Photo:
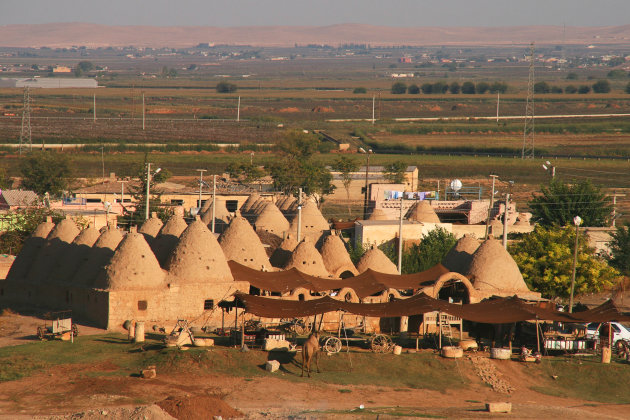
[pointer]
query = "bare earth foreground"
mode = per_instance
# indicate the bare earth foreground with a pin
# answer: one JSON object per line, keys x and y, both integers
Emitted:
{"x": 95, "y": 391}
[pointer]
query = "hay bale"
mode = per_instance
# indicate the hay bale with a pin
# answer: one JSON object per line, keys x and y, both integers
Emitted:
{"x": 500, "y": 407}
{"x": 376, "y": 260}
{"x": 241, "y": 244}
{"x": 198, "y": 257}
{"x": 452, "y": 352}
{"x": 133, "y": 266}
{"x": 307, "y": 259}
{"x": 98, "y": 257}
{"x": 335, "y": 256}
{"x": 459, "y": 257}
{"x": 493, "y": 269}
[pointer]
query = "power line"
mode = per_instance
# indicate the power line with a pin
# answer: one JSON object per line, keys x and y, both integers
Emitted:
{"x": 25, "y": 133}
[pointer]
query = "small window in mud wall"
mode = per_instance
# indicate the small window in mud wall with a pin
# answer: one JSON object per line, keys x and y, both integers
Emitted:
{"x": 231, "y": 205}
{"x": 142, "y": 305}
{"x": 208, "y": 304}
{"x": 177, "y": 202}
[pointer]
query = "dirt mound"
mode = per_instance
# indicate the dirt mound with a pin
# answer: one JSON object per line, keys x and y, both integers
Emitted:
{"x": 322, "y": 109}
{"x": 423, "y": 212}
{"x": 198, "y": 257}
{"x": 31, "y": 248}
{"x": 459, "y": 257}
{"x": 168, "y": 237}
{"x": 152, "y": 412}
{"x": 97, "y": 257}
{"x": 198, "y": 407}
{"x": 377, "y": 261}
{"x": 493, "y": 269}
{"x": 307, "y": 259}
{"x": 290, "y": 109}
{"x": 336, "y": 257}
{"x": 272, "y": 220}
{"x": 241, "y": 244}
{"x": 133, "y": 266}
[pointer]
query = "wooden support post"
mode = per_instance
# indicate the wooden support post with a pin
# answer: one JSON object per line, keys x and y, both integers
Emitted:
{"x": 243, "y": 331}
{"x": 537, "y": 337}
{"x": 235, "y": 320}
{"x": 439, "y": 324}
{"x": 610, "y": 336}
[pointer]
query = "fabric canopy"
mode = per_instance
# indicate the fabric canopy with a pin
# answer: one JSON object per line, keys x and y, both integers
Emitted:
{"x": 365, "y": 284}
{"x": 494, "y": 311}
{"x": 605, "y": 312}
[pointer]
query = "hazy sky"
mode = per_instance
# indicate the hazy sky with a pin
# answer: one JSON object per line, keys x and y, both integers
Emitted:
{"x": 319, "y": 12}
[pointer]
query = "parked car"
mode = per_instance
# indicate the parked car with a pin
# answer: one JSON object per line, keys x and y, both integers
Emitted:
{"x": 620, "y": 332}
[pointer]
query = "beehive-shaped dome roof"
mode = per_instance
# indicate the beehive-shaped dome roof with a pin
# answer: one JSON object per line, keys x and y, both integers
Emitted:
{"x": 151, "y": 228}
{"x": 166, "y": 240}
{"x": 336, "y": 257}
{"x": 493, "y": 269}
{"x": 132, "y": 267}
{"x": 249, "y": 202}
{"x": 198, "y": 257}
{"x": 258, "y": 207}
{"x": 98, "y": 257}
{"x": 31, "y": 248}
{"x": 281, "y": 255}
{"x": 459, "y": 257}
{"x": 272, "y": 220}
{"x": 307, "y": 259}
{"x": 378, "y": 214}
{"x": 68, "y": 263}
{"x": 241, "y": 244}
{"x": 57, "y": 243}
{"x": 221, "y": 216}
{"x": 313, "y": 223}
{"x": 287, "y": 204}
{"x": 376, "y": 260}
{"x": 423, "y": 212}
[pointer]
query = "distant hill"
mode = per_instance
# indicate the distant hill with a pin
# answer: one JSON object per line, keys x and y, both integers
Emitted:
{"x": 92, "y": 35}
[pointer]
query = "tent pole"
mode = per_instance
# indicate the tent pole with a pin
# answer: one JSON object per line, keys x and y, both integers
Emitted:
{"x": 439, "y": 323}
{"x": 235, "y": 321}
{"x": 243, "y": 331}
{"x": 537, "y": 336}
{"x": 610, "y": 335}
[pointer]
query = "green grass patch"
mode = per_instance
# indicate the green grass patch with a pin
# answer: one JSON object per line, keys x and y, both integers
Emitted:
{"x": 373, "y": 412}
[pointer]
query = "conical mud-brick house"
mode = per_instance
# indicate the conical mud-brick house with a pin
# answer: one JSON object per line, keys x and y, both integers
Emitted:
{"x": 241, "y": 244}
{"x": 336, "y": 257}
{"x": 458, "y": 259}
{"x": 307, "y": 259}
{"x": 376, "y": 260}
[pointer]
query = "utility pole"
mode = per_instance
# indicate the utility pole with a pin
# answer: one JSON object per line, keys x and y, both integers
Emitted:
{"x": 505, "y": 219}
{"x": 498, "y": 102}
{"x": 94, "y": 107}
{"x": 494, "y": 177}
{"x": 614, "y": 212}
{"x": 400, "y": 236}
{"x": 577, "y": 220}
{"x": 528, "y": 131}
{"x": 299, "y": 215}
{"x": 103, "y": 162}
{"x": 238, "y": 110}
{"x": 214, "y": 200}
{"x": 201, "y": 171}
{"x": 122, "y": 194}
{"x": 367, "y": 170}
{"x": 25, "y": 133}
{"x": 143, "y": 111}
{"x": 373, "y": 108}
{"x": 146, "y": 212}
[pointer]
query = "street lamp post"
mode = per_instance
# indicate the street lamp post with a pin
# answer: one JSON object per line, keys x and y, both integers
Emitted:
{"x": 494, "y": 177}
{"x": 577, "y": 221}
{"x": 146, "y": 210}
{"x": 201, "y": 171}
{"x": 367, "y": 170}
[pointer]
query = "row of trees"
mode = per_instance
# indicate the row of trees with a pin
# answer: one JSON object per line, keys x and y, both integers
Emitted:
{"x": 466, "y": 88}
{"x": 601, "y": 86}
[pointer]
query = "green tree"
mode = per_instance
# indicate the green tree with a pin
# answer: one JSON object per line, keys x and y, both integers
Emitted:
{"x": 556, "y": 89}
{"x": 542, "y": 87}
{"x": 617, "y": 74}
{"x": 628, "y": 88}
{"x": 620, "y": 249}
{"x": 21, "y": 225}
{"x": 427, "y": 88}
{"x": 560, "y": 202}
{"x": 395, "y": 172}
{"x": 601, "y": 86}
{"x": 572, "y": 76}
{"x": 45, "y": 172}
{"x": 226, "y": 87}
{"x": 439, "y": 87}
{"x": 454, "y": 88}
{"x": 399, "y": 88}
{"x": 247, "y": 172}
{"x": 584, "y": 89}
{"x": 296, "y": 168}
{"x": 358, "y": 90}
{"x": 545, "y": 258}
{"x": 482, "y": 87}
{"x": 5, "y": 180}
{"x": 346, "y": 166}
{"x": 498, "y": 87}
{"x": 85, "y": 66}
{"x": 570, "y": 89}
{"x": 468, "y": 88}
{"x": 429, "y": 252}
{"x": 413, "y": 89}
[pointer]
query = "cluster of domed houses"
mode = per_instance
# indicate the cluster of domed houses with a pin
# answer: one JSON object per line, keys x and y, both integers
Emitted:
{"x": 165, "y": 272}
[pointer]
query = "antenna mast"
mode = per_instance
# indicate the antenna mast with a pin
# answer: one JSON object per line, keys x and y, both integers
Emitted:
{"x": 25, "y": 133}
{"x": 528, "y": 131}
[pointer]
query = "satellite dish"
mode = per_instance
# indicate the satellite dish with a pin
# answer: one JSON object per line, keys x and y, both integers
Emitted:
{"x": 456, "y": 185}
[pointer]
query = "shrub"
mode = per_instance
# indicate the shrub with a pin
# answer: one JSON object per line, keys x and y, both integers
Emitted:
{"x": 570, "y": 89}
{"x": 601, "y": 86}
{"x": 482, "y": 87}
{"x": 583, "y": 89}
{"x": 454, "y": 88}
{"x": 226, "y": 87}
{"x": 399, "y": 88}
{"x": 427, "y": 88}
{"x": 359, "y": 90}
{"x": 542, "y": 87}
{"x": 413, "y": 89}
{"x": 468, "y": 88}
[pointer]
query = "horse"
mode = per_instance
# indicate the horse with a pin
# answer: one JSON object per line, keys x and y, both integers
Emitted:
{"x": 310, "y": 349}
